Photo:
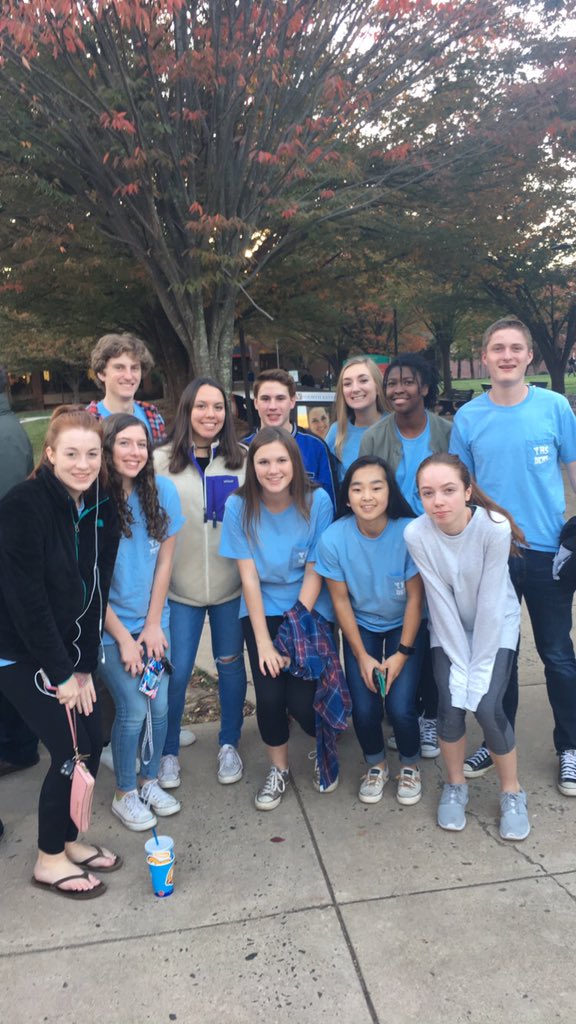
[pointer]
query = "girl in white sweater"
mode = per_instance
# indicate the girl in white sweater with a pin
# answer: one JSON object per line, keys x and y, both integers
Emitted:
{"x": 461, "y": 546}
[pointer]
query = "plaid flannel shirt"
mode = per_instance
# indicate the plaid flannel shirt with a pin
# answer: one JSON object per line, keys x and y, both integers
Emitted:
{"x": 306, "y": 638}
{"x": 153, "y": 418}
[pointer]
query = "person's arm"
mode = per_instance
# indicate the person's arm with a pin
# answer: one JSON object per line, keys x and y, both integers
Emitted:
{"x": 152, "y": 635}
{"x": 571, "y": 474}
{"x": 347, "y": 622}
{"x": 311, "y": 586}
{"x": 269, "y": 659}
{"x": 131, "y": 650}
{"x": 410, "y": 626}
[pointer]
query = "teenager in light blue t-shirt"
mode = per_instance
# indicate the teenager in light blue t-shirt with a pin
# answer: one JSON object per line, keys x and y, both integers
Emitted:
{"x": 377, "y": 596}
{"x": 272, "y": 526}
{"x": 137, "y": 618}
{"x": 359, "y": 405}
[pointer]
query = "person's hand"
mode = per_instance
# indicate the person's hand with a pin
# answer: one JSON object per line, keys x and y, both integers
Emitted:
{"x": 393, "y": 667}
{"x": 131, "y": 655}
{"x": 78, "y": 693}
{"x": 154, "y": 641}
{"x": 367, "y": 664}
{"x": 270, "y": 660}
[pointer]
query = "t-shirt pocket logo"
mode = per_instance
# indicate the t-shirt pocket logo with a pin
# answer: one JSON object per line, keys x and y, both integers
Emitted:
{"x": 539, "y": 453}
{"x": 298, "y": 557}
{"x": 398, "y": 586}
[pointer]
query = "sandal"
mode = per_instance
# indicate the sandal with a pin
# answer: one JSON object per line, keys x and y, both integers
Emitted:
{"x": 118, "y": 862}
{"x": 72, "y": 894}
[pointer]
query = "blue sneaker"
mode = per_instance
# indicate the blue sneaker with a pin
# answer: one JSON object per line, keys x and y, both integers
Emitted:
{"x": 451, "y": 813}
{"x": 514, "y": 822}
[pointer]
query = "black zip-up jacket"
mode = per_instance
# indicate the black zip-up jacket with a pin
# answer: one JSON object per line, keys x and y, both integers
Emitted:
{"x": 54, "y": 579}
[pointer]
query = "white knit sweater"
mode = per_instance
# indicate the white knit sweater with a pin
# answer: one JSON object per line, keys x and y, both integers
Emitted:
{"x": 472, "y": 604}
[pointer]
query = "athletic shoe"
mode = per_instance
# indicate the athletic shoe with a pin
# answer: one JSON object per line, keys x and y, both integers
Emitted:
{"x": 478, "y": 763}
{"x": 567, "y": 776}
{"x": 187, "y": 737}
{"x": 273, "y": 789}
{"x": 372, "y": 785}
{"x": 162, "y": 803}
{"x": 391, "y": 742}
{"x": 428, "y": 737}
{"x": 514, "y": 822}
{"x": 451, "y": 814}
{"x": 169, "y": 772}
{"x": 409, "y": 785}
{"x": 316, "y": 777}
{"x": 230, "y": 765}
{"x": 133, "y": 813}
{"x": 107, "y": 759}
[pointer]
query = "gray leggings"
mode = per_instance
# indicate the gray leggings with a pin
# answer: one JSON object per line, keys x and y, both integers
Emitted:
{"x": 499, "y": 733}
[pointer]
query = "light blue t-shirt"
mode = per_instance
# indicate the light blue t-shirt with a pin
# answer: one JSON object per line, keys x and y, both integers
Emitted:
{"x": 350, "y": 448}
{"x": 136, "y": 562}
{"x": 374, "y": 569}
{"x": 414, "y": 451}
{"x": 515, "y": 454}
{"x": 282, "y": 545}
{"x": 137, "y": 411}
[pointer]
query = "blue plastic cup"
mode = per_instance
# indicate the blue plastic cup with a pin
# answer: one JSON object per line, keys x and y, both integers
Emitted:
{"x": 160, "y": 860}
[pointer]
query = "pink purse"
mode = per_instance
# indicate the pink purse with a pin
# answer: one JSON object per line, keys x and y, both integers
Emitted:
{"x": 82, "y": 789}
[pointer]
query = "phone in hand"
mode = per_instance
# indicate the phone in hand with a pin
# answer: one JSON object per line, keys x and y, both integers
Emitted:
{"x": 379, "y": 680}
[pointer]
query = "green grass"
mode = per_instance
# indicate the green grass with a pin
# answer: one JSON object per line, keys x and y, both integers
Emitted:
{"x": 36, "y": 429}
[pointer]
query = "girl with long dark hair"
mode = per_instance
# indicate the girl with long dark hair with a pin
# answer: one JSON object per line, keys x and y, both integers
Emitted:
{"x": 461, "y": 546}
{"x": 377, "y": 596}
{"x": 137, "y": 619}
{"x": 205, "y": 462}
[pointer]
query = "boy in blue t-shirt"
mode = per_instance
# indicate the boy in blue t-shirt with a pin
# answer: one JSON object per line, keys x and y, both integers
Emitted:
{"x": 514, "y": 440}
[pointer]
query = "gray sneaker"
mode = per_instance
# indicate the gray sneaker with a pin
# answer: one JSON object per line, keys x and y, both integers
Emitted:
{"x": 273, "y": 789}
{"x": 230, "y": 765}
{"x": 451, "y": 813}
{"x": 514, "y": 823}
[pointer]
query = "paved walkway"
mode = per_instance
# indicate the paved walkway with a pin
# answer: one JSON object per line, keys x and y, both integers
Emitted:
{"x": 323, "y": 910}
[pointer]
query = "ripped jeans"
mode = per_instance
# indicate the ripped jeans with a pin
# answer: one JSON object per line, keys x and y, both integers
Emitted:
{"x": 186, "y": 624}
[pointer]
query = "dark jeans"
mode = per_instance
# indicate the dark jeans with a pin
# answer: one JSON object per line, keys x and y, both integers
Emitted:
{"x": 277, "y": 698}
{"x": 18, "y": 744}
{"x": 401, "y": 709}
{"x": 48, "y": 720}
{"x": 549, "y": 606}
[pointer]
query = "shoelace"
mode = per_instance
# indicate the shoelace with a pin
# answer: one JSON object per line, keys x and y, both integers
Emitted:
{"x": 568, "y": 762}
{"x": 455, "y": 793}
{"x": 133, "y": 802}
{"x": 512, "y": 803}
{"x": 408, "y": 777}
{"x": 227, "y": 758}
{"x": 428, "y": 731}
{"x": 476, "y": 759}
{"x": 372, "y": 778}
{"x": 275, "y": 782}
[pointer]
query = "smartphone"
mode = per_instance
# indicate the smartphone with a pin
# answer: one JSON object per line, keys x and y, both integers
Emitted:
{"x": 379, "y": 680}
{"x": 151, "y": 676}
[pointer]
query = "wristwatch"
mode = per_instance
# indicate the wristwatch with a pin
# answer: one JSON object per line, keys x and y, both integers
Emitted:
{"x": 408, "y": 651}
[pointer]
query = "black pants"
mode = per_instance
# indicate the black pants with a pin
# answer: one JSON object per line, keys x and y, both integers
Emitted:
{"x": 48, "y": 720}
{"x": 18, "y": 744}
{"x": 277, "y": 698}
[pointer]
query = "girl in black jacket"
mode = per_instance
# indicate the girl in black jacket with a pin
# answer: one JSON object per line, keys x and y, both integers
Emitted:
{"x": 58, "y": 541}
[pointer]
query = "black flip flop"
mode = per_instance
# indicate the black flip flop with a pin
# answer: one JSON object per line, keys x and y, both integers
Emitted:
{"x": 72, "y": 894}
{"x": 118, "y": 862}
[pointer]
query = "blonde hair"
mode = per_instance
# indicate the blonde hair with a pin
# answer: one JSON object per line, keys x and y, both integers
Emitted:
{"x": 344, "y": 415}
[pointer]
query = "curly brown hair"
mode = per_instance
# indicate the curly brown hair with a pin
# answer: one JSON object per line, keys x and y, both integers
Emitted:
{"x": 144, "y": 484}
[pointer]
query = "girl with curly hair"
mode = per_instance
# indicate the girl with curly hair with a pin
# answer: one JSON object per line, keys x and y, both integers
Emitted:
{"x": 136, "y": 624}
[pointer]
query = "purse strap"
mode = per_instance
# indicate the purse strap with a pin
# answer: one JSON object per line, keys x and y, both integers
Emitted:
{"x": 72, "y": 724}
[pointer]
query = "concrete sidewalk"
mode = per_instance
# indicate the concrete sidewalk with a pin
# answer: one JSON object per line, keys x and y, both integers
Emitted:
{"x": 323, "y": 910}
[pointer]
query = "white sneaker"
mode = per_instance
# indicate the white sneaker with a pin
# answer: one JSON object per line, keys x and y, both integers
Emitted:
{"x": 133, "y": 813}
{"x": 107, "y": 759}
{"x": 273, "y": 789}
{"x": 163, "y": 804}
{"x": 169, "y": 772}
{"x": 187, "y": 737}
{"x": 372, "y": 785}
{"x": 409, "y": 785}
{"x": 230, "y": 765}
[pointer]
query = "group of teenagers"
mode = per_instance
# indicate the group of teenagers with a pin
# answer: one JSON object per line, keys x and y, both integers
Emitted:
{"x": 412, "y": 537}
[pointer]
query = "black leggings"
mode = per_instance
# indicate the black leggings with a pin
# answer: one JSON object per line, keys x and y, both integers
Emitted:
{"x": 48, "y": 720}
{"x": 277, "y": 698}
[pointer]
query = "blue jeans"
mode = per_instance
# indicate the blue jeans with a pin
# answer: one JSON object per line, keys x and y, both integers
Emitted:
{"x": 131, "y": 710}
{"x": 186, "y": 623}
{"x": 549, "y": 606}
{"x": 401, "y": 706}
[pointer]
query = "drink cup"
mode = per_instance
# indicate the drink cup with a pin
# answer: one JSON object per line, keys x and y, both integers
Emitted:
{"x": 160, "y": 860}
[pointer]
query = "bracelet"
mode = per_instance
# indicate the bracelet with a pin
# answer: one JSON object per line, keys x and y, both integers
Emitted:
{"x": 407, "y": 651}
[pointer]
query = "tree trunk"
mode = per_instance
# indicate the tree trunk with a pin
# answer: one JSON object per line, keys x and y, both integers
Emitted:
{"x": 556, "y": 371}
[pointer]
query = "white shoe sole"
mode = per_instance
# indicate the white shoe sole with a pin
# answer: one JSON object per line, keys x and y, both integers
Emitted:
{"x": 135, "y": 826}
{"x": 569, "y": 790}
{"x": 470, "y": 773}
{"x": 452, "y": 828}
{"x": 407, "y": 801}
{"x": 270, "y": 805}
{"x": 169, "y": 783}
{"x": 515, "y": 839}
{"x": 228, "y": 780}
{"x": 329, "y": 789}
{"x": 165, "y": 812}
{"x": 429, "y": 752}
